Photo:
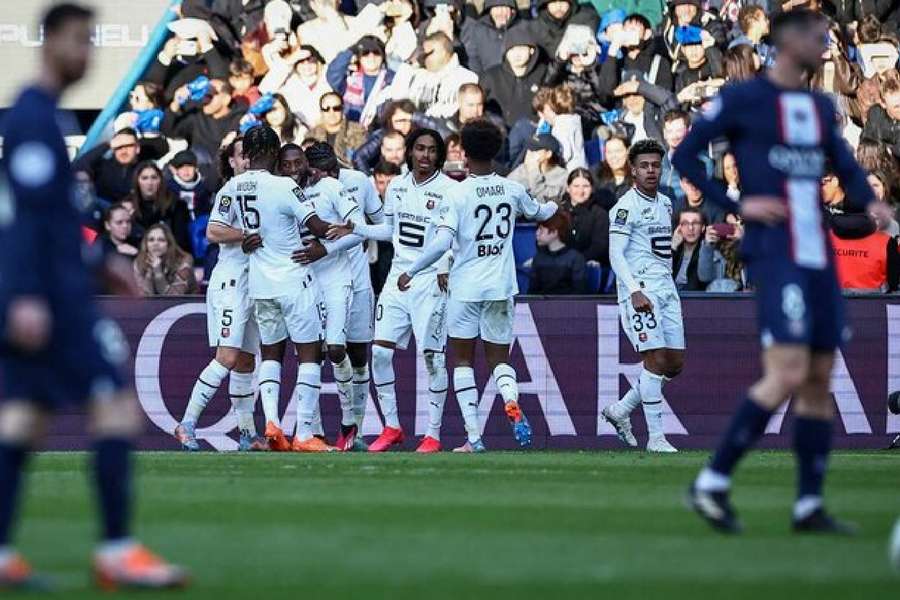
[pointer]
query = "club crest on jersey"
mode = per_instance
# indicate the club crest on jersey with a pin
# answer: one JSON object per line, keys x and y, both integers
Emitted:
{"x": 621, "y": 216}
{"x": 430, "y": 204}
{"x": 226, "y": 331}
{"x": 642, "y": 337}
{"x": 224, "y": 205}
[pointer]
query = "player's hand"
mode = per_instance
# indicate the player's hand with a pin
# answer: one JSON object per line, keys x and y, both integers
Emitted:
{"x": 336, "y": 232}
{"x": 769, "y": 210}
{"x": 403, "y": 282}
{"x": 641, "y": 303}
{"x": 251, "y": 243}
{"x": 28, "y": 324}
{"x": 443, "y": 282}
{"x": 312, "y": 251}
{"x": 117, "y": 277}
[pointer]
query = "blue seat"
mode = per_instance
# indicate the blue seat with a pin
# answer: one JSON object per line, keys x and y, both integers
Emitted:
{"x": 198, "y": 236}
{"x": 593, "y": 277}
{"x": 524, "y": 249}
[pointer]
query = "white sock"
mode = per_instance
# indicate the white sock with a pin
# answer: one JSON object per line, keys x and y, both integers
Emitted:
{"x": 652, "y": 400}
{"x": 627, "y": 404}
{"x": 113, "y": 549}
{"x": 383, "y": 376}
{"x": 206, "y": 387}
{"x": 435, "y": 362}
{"x": 309, "y": 381}
{"x": 270, "y": 389}
{"x": 317, "y": 427}
{"x": 712, "y": 481}
{"x": 243, "y": 399}
{"x": 467, "y": 396}
{"x": 806, "y": 506}
{"x": 360, "y": 394}
{"x": 505, "y": 379}
{"x": 343, "y": 377}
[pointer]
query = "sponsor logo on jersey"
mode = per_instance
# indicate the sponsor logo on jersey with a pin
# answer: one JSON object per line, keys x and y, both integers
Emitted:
{"x": 654, "y": 229}
{"x": 621, "y": 216}
{"x": 413, "y": 217}
{"x": 798, "y": 162}
{"x": 224, "y": 205}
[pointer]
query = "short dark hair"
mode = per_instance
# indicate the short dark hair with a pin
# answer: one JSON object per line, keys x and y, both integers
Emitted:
{"x": 386, "y": 168}
{"x": 481, "y": 139}
{"x": 645, "y": 147}
{"x": 57, "y": 16}
{"x": 691, "y": 209}
{"x": 240, "y": 66}
{"x": 675, "y": 114}
{"x": 261, "y": 141}
{"x": 107, "y": 214}
{"x": 225, "y": 153}
{"x": 801, "y": 18}
{"x": 126, "y": 131}
{"x": 639, "y": 18}
{"x": 438, "y": 141}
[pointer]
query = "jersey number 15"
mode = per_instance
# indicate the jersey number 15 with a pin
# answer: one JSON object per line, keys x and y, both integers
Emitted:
{"x": 249, "y": 214}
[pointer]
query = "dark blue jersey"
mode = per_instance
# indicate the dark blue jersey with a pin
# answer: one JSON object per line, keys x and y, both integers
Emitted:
{"x": 782, "y": 140}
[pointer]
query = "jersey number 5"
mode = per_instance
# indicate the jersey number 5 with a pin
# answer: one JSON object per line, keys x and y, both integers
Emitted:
{"x": 503, "y": 228}
{"x": 411, "y": 234}
{"x": 248, "y": 212}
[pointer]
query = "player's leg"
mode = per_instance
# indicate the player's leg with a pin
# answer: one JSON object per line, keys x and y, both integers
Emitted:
{"x": 243, "y": 400}
{"x": 462, "y": 357}
{"x": 359, "y": 358}
{"x": 429, "y": 323}
{"x": 393, "y": 326}
{"x": 273, "y": 343}
{"x": 785, "y": 369}
{"x": 309, "y": 385}
{"x": 337, "y": 307}
{"x": 120, "y": 560}
{"x": 618, "y": 414}
{"x": 21, "y": 426}
{"x": 659, "y": 366}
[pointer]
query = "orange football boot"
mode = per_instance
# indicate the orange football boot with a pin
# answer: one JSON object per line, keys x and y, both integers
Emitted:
{"x": 313, "y": 444}
{"x": 276, "y": 439}
{"x": 389, "y": 436}
{"x": 429, "y": 445}
{"x": 137, "y": 567}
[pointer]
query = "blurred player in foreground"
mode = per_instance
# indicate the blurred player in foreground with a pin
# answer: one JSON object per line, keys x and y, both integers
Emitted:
{"x": 480, "y": 216}
{"x": 640, "y": 251}
{"x": 783, "y": 136}
{"x": 56, "y": 348}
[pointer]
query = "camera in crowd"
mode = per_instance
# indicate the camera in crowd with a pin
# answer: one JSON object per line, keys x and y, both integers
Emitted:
{"x": 613, "y": 126}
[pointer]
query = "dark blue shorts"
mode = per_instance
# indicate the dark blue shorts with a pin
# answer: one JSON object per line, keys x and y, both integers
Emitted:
{"x": 796, "y": 305}
{"x": 81, "y": 363}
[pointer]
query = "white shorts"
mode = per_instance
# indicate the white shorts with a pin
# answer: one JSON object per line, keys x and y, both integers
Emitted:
{"x": 420, "y": 310}
{"x": 491, "y": 320}
{"x": 361, "y": 320}
{"x": 299, "y": 316}
{"x": 230, "y": 321}
{"x": 662, "y": 328}
{"x": 336, "y": 300}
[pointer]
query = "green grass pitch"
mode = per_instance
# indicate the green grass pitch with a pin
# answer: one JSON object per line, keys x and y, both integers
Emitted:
{"x": 503, "y": 525}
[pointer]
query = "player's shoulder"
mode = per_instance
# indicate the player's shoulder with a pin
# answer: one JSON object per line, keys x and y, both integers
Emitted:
{"x": 664, "y": 199}
{"x": 513, "y": 188}
{"x": 399, "y": 184}
{"x": 351, "y": 177}
{"x": 626, "y": 201}
{"x": 443, "y": 183}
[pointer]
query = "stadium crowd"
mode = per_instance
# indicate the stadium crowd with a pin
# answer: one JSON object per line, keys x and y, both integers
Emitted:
{"x": 573, "y": 85}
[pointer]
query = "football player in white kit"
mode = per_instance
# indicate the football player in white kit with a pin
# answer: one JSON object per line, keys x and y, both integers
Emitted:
{"x": 286, "y": 294}
{"x": 480, "y": 218}
{"x": 640, "y": 252}
{"x": 231, "y": 325}
{"x": 411, "y": 208}
{"x": 358, "y": 188}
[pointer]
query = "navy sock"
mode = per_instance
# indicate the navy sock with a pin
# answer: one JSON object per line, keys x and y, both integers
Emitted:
{"x": 112, "y": 473}
{"x": 747, "y": 426}
{"x": 812, "y": 444}
{"x": 12, "y": 461}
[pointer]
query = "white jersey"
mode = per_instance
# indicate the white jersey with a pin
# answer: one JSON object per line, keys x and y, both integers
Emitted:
{"x": 274, "y": 207}
{"x": 334, "y": 207}
{"x": 415, "y": 210}
{"x": 231, "y": 261}
{"x": 481, "y": 215}
{"x": 360, "y": 189}
{"x": 648, "y": 224}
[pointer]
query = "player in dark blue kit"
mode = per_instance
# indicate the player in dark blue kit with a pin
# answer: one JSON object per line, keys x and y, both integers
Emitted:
{"x": 54, "y": 346}
{"x": 783, "y": 136}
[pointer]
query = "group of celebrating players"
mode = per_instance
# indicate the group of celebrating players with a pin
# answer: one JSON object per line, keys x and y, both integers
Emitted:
{"x": 290, "y": 224}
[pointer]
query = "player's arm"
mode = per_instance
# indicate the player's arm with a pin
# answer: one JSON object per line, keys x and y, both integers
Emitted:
{"x": 715, "y": 122}
{"x": 381, "y": 229}
{"x": 533, "y": 210}
{"x": 219, "y": 229}
{"x": 435, "y": 249}
{"x": 619, "y": 238}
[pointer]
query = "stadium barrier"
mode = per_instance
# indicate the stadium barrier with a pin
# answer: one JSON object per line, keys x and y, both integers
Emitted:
{"x": 571, "y": 357}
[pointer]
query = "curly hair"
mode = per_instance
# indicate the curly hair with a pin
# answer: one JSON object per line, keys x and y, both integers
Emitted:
{"x": 481, "y": 140}
{"x": 261, "y": 142}
{"x": 647, "y": 146}
{"x": 438, "y": 141}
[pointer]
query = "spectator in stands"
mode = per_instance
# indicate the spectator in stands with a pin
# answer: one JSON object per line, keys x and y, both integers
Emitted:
{"x": 878, "y": 47}
{"x": 633, "y": 50}
{"x": 154, "y": 203}
{"x": 699, "y": 73}
{"x": 613, "y": 174}
{"x": 875, "y": 156}
{"x": 186, "y": 182}
{"x": 731, "y": 176}
{"x": 161, "y": 267}
{"x": 881, "y": 185}
{"x": 331, "y": 30}
{"x": 579, "y": 69}
{"x": 381, "y": 254}
{"x": 687, "y": 246}
{"x": 556, "y": 109}
{"x": 299, "y": 76}
{"x": 273, "y": 110}
{"x": 187, "y": 55}
{"x": 862, "y": 252}
{"x": 399, "y": 20}
{"x": 838, "y": 76}
{"x": 511, "y": 85}
{"x": 676, "y": 124}
{"x": 542, "y": 172}
{"x": 393, "y": 148}
{"x": 116, "y": 236}
{"x": 720, "y": 264}
{"x": 741, "y": 63}
{"x": 833, "y": 194}
{"x": 556, "y": 268}
{"x": 399, "y": 116}
{"x": 442, "y": 15}
{"x": 690, "y": 13}
{"x": 590, "y": 221}
{"x": 483, "y": 37}
{"x": 360, "y": 75}
{"x": 693, "y": 198}
{"x": 471, "y": 106}
{"x": 343, "y": 135}
{"x": 203, "y": 115}
{"x": 433, "y": 87}
{"x": 644, "y": 105}
{"x": 753, "y": 30}
{"x": 243, "y": 84}
{"x": 554, "y": 16}
{"x": 883, "y": 122}
{"x": 145, "y": 117}
{"x": 111, "y": 166}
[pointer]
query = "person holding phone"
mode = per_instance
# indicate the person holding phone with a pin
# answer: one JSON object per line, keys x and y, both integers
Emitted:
{"x": 639, "y": 53}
